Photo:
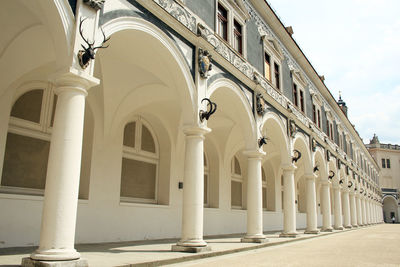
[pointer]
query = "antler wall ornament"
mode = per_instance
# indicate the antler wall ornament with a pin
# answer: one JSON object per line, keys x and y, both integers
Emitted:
{"x": 89, "y": 52}
{"x": 341, "y": 181}
{"x": 297, "y": 155}
{"x": 316, "y": 168}
{"x": 331, "y": 175}
{"x": 206, "y": 114}
{"x": 362, "y": 190}
{"x": 262, "y": 141}
{"x": 350, "y": 184}
{"x": 355, "y": 188}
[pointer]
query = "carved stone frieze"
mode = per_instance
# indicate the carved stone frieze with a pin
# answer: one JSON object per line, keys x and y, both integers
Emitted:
{"x": 225, "y": 51}
{"x": 95, "y": 4}
{"x": 179, "y": 13}
{"x": 298, "y": 114}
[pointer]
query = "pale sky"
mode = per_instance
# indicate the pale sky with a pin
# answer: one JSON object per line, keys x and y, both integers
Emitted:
{"x": 355, "y": 44}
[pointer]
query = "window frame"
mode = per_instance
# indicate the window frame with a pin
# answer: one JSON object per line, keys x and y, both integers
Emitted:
{"x": 235, "y": 177}
{"x": 136, "y": 153}
{"x": 41, "y": 131}
{"x": 272, "y": 48}
{"x": 317, "y": 109}
{"x": 235, "y": 12}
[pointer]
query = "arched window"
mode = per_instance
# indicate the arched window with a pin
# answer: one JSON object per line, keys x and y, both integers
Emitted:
{"x": 264, "y": 189}
{"x": 206, "y": 181}
{"x": 236, "y": 184}
{"x": 28, "y": 144}
{"x": 140, "y": 160}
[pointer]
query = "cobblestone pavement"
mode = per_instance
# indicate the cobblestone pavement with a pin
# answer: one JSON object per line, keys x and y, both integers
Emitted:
{"x": 372, "y": 246}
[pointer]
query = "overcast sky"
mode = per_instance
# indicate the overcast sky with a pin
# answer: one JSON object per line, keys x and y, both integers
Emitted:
{"x": 356, "y": 45}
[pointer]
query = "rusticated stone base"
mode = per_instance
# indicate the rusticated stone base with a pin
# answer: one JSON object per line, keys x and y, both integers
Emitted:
{"x": 312, "y": 232}
{"x": 178, "y": 248}
{"x": 254, "y": 240}
{"x": 28, "y": 262}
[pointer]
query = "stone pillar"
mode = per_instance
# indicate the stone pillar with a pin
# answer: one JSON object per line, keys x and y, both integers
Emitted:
{"x": 311, "y": 205}
{"x": 353, "y": 209}
{"x": 369, "y": 211}
{"x": 359, "y": 212}
{"x": 254, "y": 198}
{"x": 337, "y": 208}
{"x": 326, "y": 206}
{"x": 289, "y": 213}
{"x": 364, "y": 211}
{"x": 57, "y": 234}
{"x": 193, "y": 192}
{"x": 346, "y": 208}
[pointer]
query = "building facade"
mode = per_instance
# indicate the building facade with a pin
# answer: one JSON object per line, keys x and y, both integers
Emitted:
{"x": 388, "y": 156}
{"x": 194, "y": 115}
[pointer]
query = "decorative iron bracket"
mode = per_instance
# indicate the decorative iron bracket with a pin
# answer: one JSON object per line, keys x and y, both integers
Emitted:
{"x": 206, "y": 114}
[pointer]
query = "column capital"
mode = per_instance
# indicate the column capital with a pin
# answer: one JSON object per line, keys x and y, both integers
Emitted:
{"x": 289, "y": 167}
{"x": 193, "y": 130}
{"x": 256, "y": 154}
{"x": 74, "y": 78}
{"x": 310, "y": 176}
{"x": 325, "y": 182}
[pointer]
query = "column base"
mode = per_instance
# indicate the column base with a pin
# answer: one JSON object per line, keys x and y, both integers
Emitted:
{"x": 354, "y": 226}
{"x": 339, "y": 228}
{"x": 28, "y": 262}
{"x": 312, "y": 232}
{"x": 348, "y": 227}
{"x": 179, "y": 248}
{"x": 55, "y": 255}
{"x": 254, "y": 239}
{"x": 291, "y": 235}
{"x": 330, "y": 229}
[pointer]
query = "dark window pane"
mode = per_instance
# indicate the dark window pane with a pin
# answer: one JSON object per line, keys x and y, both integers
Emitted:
{"x": 28, "y": 106}
{"x": 53, "y": 112}
{"x": 138, "y": 179}
{"x": 129, "y": 134}
{"x": 25, "y": 162}
{"x": 147, "y": 141}
{"x": 236, "y": 194}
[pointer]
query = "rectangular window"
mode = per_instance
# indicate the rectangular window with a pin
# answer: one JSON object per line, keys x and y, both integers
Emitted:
{"x": 302, "y": 101}
{"x": 237, "y": 36}
{"x": 295, "y": 95}
{"x": 319, "y": 119}
{"x": 222, "y": 25}
{"x": 383, "y": 163}
{"x": 267, "y": 67}
{"x": 388, "y": 163}
{"x": 331, "y": 130}
{"x": 277, "y": 76}
{"x": 314, "y": 115}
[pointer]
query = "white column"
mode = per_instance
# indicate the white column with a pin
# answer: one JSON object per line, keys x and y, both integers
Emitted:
{"x": 359, "y": 208}
{"x": 346, "y": 208}
{"x": 254, "y": 198}
{"x": 311, "y": 205}
{"x": 193, "y": 192}
{"x": 289, "y": 213}
{"x": 364, "y": 211}
{"x": 337, "y": 208}
{"x": 353, "y": 209}
{"x": 369, "y": 211}
{"x": 57, "y": 234}
{"x": 326, "y": 206}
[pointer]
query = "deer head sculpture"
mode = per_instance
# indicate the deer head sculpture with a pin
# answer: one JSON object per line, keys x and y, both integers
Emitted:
{"x": 297, "y": 155}
{"x": 88, "y": 53}
{"x": 206, "y": 114}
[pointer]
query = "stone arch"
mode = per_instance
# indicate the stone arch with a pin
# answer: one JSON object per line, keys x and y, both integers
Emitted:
{"x": 171, "y": 71}
{"x": 235, "y": 106}
{"x": 390, "y": 206}
{"x": 304, "y": 167}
